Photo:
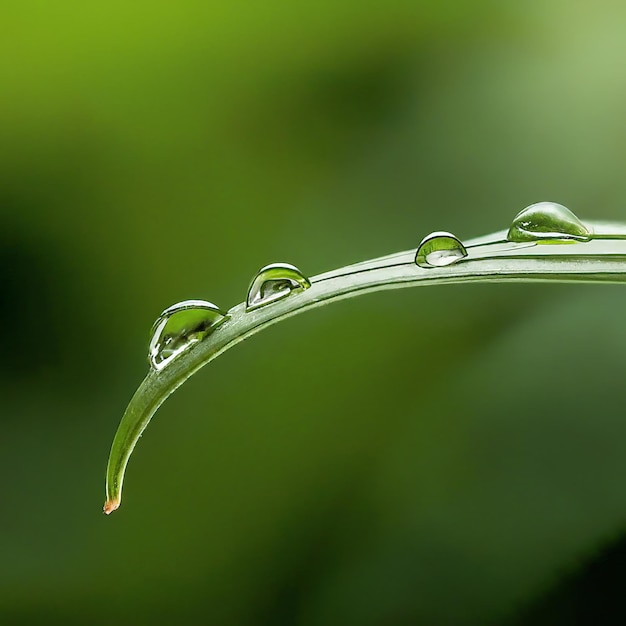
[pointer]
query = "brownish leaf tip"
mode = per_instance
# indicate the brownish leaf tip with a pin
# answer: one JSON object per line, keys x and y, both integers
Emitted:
{"x": 110, "y": 506}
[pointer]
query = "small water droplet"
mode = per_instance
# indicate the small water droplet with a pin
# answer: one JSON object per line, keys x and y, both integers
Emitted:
{"x": 439, "y": 249}
{"x": 547, "y": 221}
{"x": 274, "y": 282}
{"x": 180, "y": 327}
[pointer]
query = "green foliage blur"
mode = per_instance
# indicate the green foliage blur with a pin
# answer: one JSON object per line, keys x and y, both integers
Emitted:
{"x": 440, "y": 456}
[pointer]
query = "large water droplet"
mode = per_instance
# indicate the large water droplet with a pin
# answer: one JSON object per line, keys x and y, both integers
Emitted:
{"x": 547, "y": 221}
{"x": 274, "y": 282}
{"x": 439, "y": 249}
{"x": 180, "y": 327}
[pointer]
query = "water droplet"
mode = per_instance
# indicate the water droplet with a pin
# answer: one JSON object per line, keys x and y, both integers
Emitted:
{"x": 274, "y": 282}
{"x": 547, "y": 221}
{"x": 439, "y": 249}
{"x": 180, "y": 327}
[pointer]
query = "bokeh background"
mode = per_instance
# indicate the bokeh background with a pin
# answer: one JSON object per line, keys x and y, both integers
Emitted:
{"x": 451, "y": 455}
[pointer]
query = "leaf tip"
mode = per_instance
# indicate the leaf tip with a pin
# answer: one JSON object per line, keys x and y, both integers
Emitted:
{"x": 110, "y": 506}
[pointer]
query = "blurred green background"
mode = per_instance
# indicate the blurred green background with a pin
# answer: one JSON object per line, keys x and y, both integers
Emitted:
{"x": 451, "y": 455}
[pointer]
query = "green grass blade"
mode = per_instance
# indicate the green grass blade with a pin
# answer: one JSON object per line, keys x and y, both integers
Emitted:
{"x": 489, "y": 259}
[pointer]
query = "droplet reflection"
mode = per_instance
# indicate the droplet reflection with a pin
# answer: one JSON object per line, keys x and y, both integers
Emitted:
{"x": 274, "y": 282}
{"x": 547, "y": 221}
{"x": 180, "y": 327}
{"x": 439, "y": 249}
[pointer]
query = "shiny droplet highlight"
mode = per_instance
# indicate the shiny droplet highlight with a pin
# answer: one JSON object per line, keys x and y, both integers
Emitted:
{"x": 547, "y": 221}
{"x": 275, "y": 282}
{"x": 439, "y": 249}
{"x": 180, "y": 327}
